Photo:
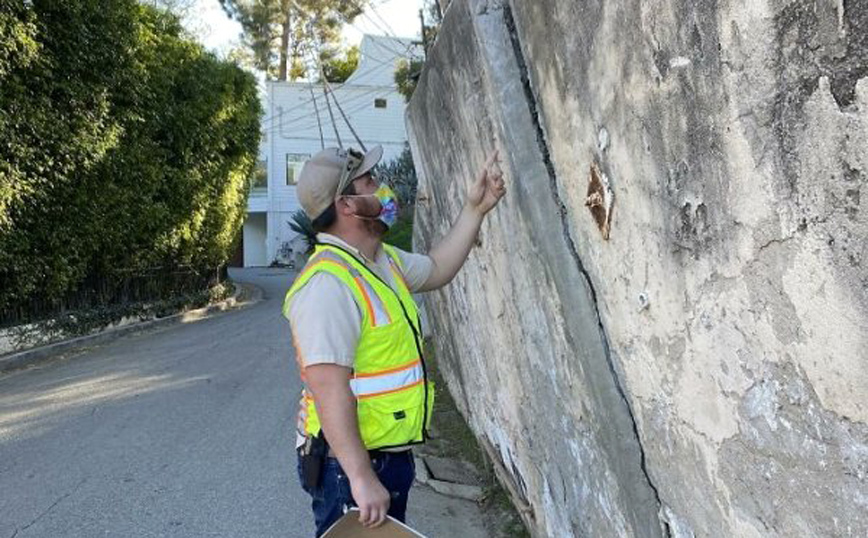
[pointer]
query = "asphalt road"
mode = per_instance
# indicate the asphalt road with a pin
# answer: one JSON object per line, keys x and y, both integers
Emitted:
{"x": 183, "y": 431}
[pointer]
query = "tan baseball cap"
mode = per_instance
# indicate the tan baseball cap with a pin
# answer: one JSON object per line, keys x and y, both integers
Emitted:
{"x": 328, "y": 173}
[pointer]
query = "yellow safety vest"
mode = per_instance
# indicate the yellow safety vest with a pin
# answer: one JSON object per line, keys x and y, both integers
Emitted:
{"x": 394, "y": 396}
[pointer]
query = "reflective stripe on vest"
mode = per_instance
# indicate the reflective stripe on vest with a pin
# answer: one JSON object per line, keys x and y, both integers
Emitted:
{"x": 365, "y": 386}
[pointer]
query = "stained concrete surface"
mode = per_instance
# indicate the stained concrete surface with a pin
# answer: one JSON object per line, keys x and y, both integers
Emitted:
{"x": 185, "y": 431}
{"x": 704, "y": 372}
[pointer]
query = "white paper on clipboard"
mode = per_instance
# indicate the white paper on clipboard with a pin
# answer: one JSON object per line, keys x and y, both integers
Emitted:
{"x": 348, "y": 526}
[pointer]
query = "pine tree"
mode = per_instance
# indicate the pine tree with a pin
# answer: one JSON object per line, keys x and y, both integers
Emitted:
{"x": 281, "y": 34}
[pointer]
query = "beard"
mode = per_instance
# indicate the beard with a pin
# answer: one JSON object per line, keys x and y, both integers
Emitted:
{"x": 367, "y": 211}
{"x": 376, "y": 228}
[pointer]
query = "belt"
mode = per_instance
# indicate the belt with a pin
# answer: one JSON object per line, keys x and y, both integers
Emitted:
{"x": 374, "y": 453}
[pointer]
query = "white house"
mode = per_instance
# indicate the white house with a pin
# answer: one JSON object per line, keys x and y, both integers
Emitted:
{"x": 291, "y": 134}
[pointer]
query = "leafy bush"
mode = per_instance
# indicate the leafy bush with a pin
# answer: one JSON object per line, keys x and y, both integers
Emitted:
{"x": 407, "y": 76}
{"x": 124, "y": 145}
{"x": 338, "y": 69}
{"x": 401, "y": 234}
{"x": 300, "y": 224}
{"x": 400, "y": 173}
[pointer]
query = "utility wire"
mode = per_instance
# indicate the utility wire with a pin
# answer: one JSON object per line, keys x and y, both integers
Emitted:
{"x": 331, "y": 115}
{"x": 307, "y": 116}
{"x": 408, "y": 54}
{"x": 347, "y": 121}
{"x": 356, "y": 74}
{"x": 391, "y": 31}
{"x": 386, "y": 31}
{"x": 311, "y": 125}
{"x": 316, "y": 110}
{"x": 326, "y": 86}
{"x": 386, "y": 28}
{"x": 328, "y": 89}
{"x": 281, "y": 116}
{"x": 285, "y": 122}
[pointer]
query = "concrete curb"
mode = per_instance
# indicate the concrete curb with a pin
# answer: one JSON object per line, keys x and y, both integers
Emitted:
{"x": 245, "y": 295}
{"x": 467, "y": 492}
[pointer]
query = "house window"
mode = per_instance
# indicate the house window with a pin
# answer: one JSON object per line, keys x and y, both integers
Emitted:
{"x": 260, "y": 177}
{"x": 379, "y": 103}
{"x": 294, "y": 162}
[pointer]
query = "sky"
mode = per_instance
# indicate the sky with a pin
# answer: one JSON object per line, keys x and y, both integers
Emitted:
{"x": 396, "y": 17}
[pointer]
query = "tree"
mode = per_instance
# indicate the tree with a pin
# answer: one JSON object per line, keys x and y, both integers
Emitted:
{"x": 407, "y": 75}
{"x": 180, "y": 8}
{"x": 338, "y": 69}
{"x": 184, "y": 10}
{"x": 408, "y": 71}
{"x": 282, "y": 34}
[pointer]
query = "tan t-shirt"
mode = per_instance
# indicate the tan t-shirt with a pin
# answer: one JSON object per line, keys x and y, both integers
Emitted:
{"x": 325, "y": 319}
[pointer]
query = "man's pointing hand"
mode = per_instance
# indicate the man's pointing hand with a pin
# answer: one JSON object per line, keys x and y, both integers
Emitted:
{"x": 489, "y": 186}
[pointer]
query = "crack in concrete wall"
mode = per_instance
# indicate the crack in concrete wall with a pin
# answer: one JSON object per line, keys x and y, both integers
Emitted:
{"x": 565, "y": 435}
{"x": 574, "y": 253}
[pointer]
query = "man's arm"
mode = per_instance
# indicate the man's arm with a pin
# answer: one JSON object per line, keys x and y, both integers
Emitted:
{"x": 336, "y": 408}
{"x": 451, "y": 252}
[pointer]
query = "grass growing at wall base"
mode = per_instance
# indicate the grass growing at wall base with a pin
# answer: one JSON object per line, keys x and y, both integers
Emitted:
{"x": 453, "y": 439}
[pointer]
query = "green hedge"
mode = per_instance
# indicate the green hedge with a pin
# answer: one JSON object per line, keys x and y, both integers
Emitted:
{"x": 123, "y": 144}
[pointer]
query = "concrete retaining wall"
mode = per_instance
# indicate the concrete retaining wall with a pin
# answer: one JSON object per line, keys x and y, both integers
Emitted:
{"x": 704, "y": 371}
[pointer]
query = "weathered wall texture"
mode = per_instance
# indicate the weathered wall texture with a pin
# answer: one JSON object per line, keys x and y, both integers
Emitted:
{"x": 704, "y": 372}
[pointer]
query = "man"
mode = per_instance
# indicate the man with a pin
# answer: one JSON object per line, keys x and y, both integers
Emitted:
{"x": 357, "y": 335}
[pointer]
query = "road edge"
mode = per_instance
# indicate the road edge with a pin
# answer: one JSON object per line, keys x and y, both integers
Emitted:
{"x": 245, "y": 295}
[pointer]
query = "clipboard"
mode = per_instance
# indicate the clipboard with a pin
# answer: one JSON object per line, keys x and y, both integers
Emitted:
{"x": 348, "y": 526}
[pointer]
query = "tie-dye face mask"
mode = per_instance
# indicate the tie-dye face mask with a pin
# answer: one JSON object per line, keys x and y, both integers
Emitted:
{"x": 388, "y": 204}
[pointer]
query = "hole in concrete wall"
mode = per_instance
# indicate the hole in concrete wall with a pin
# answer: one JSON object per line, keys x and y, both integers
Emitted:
{"x": 600, "y": 199}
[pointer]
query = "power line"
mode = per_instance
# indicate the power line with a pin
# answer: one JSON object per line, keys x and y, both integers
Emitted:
{"x": 347, "y": 121}
{"x": 325, "y": 86}
{"x": 281, "y": 115}
{"x": 306, "y": 116}
{"x": 316, "y": 109}
{"x": 388, "y": 42}
{"x": 332, "y": 116}
{"x": 328, "y": 89}
{"x": 278, "y": 116}
{"x": 377, "y": 13}
{"x": 391, "y": 31}
{"x": 339, "y": 86}
{"x": 406, "y": 52}
{"x": 311, "y": 125}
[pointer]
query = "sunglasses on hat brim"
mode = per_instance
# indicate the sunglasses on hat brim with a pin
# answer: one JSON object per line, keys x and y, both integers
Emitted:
{"x": 355, "y": 158}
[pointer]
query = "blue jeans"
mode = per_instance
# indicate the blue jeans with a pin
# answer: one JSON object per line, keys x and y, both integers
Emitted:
{"x": 396, "y": 470}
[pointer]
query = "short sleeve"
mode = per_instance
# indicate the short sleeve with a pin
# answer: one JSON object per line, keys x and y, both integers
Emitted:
{"x": 417, "y": 268}
{"x": 326, "y": 322}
